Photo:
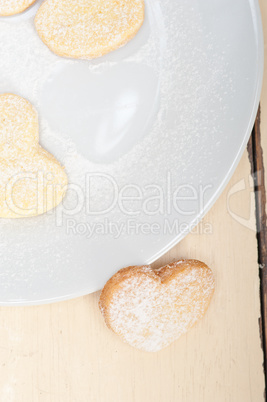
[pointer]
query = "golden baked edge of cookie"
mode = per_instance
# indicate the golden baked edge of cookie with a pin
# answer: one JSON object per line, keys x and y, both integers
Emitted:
{"x": 18, "y": 10}
{"x": 89, "y": 55}
{"x": 60, "y": 187}
{"x": 163, "y": 275}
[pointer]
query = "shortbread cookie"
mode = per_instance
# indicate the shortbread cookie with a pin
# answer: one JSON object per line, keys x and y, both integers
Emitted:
{"x": 32, "y": 181}
{"x": 149, "y": 309}
{"x": 88, "y": 29}
{"x": 11, "y": 7}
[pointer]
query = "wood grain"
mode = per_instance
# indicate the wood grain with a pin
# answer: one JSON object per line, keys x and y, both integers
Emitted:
{"x": 260, "y": 160}
{"x": 64, "y": 352}
{"x": 255, "y": 152}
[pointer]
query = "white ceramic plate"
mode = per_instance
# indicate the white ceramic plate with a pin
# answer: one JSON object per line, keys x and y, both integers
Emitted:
{"x": 162, "y": 121}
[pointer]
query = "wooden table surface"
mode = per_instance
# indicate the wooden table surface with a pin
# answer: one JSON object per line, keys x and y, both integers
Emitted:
{"x": 64, "y": 353}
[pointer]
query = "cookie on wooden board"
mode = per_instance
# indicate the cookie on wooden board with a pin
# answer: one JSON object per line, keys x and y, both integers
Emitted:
{"x": 149, "y": 309}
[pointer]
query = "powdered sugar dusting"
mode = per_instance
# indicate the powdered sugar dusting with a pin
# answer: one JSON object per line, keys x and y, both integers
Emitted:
{"x": 10, "y": 7}
{"x": 88, "y": 29}
{"x": 195, "y": 87}
{"x": 26, "y": 168}
{"x": 150, "y": 314}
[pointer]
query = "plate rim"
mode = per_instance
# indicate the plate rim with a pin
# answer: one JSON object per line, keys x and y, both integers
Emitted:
{"x": 259, "y": 80}
{"x": 258, "y": 28}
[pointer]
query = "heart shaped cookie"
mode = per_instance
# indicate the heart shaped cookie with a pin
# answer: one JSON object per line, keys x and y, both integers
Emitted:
{"x": 149, "y": 309}
{"x": 32, "y": 181}
{"x": 11, "y": 7}
{"x": 88, "y": 28}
